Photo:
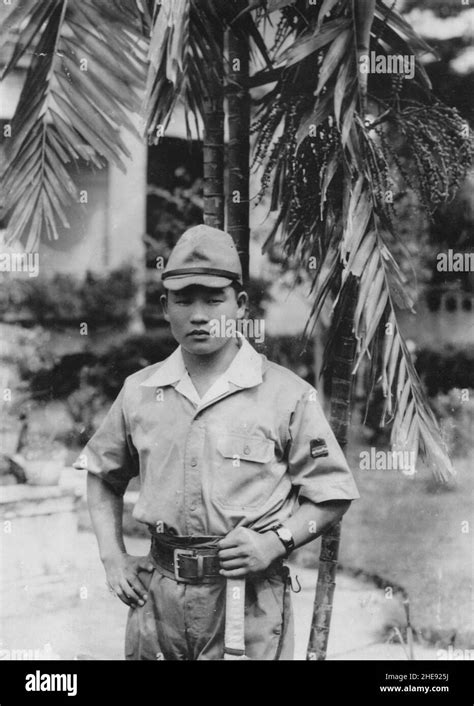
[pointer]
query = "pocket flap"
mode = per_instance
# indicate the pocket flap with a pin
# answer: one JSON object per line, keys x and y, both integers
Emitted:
{"x": 247, "y": 448}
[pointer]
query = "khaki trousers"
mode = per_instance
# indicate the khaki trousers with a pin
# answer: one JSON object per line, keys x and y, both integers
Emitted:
{"x": 182, "y": 621}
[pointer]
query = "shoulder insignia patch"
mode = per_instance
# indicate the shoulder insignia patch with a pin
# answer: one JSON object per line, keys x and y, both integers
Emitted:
{"x": 318, "y": 448}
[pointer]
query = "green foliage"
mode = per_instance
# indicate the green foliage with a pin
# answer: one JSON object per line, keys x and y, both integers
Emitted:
{"x": 137, "y": 352}
{"x": 108, "y": 299}
{"x": 169, "y": 214}
{"x": 443, "y": 8}
{"x": 98, "y": 300}
{"x": 292, "y": 354}
{"x": 25, "y": 352}
{"x": 60, "y": 378}
{"x": 456, "y": 416}
{"x": 84, "y": 405}
{"x": 444, "y": 369}
{"x": 133, "y": 354}
{"x": 75, "y": 376}
{"x": 99, "y": 381}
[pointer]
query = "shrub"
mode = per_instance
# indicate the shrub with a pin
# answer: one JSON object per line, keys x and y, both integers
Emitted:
{"x": 107, "y": 300}
{"x": 98, "y": 300}
{"x": 120, "y": 361}
{"x": 105, "y": 372}
{"x": 27, "y": 352}
{"x": 88, "y": 382}
{"x": 63, "y": 378}
{"x": 455, "y": 412}
{"x": 108, "y": 371}
{"x": 290, "y": 353}
{"x": 84, "y": 406}
{"x": 444, "y": 369}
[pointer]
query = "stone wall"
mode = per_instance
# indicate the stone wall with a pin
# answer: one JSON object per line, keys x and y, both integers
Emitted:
{"x": 38, "y": 535}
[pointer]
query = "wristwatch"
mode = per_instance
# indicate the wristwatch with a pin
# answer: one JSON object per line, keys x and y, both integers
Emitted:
{"x": 285, "y": 537}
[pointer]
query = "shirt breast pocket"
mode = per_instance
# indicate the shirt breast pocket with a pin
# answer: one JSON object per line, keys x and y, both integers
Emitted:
{"x": 243, "y": 478}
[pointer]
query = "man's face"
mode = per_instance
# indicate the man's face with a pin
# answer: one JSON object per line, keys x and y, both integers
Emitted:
{"x": 191, "y": 310}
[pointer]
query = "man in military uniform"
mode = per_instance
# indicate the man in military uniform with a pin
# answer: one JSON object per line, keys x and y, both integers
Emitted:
{"x": 237, "y": 466}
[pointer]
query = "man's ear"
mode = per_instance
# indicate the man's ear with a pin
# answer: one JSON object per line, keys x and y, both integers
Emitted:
{"x": 164, "y": 306}
{"x": 242, "y": 300}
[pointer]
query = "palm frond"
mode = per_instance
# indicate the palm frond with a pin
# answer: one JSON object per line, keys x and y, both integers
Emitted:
{"x": 185, "y": 57}
{"x": 79, "y": 90}
{"x": 414, "y": 426}
{"x": 328, "y": 178}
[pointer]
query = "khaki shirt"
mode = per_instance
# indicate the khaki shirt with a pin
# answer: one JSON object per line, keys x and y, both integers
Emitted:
{"x": 240, "y": 455}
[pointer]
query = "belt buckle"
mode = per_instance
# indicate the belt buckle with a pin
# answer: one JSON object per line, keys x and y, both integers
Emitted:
{"x": 177, "y": 553}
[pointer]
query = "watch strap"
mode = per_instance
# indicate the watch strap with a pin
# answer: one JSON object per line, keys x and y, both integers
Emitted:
{"x": 288, "y": 544}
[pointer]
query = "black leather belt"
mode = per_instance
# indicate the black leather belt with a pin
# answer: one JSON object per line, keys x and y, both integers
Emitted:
{"x": 187, "y": 564}
{"x": 193, "y": 559}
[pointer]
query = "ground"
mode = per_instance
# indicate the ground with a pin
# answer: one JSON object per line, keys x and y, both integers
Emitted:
{"x": 92, "y": 627}
{"x": 411, "y": 532}
{"x": 420, "y": 536}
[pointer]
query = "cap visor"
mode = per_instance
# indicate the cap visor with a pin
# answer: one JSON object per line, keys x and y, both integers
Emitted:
{"x": 175, "y": 283}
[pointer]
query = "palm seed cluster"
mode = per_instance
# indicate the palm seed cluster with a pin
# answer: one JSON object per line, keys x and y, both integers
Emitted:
{"x": 441, "y": 150}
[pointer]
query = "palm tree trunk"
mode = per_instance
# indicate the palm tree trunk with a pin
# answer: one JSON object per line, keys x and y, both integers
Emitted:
{"x": 341, "y": 389}
{"x": 239, "y": 147}
{"x": 341, "y": 392}
{"x": 213, "y": 150}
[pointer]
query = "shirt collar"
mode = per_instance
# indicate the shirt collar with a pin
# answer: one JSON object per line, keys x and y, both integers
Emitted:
{"x": 245, "y": 369}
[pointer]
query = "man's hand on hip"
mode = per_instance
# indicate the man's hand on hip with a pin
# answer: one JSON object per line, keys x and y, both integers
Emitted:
{"x": 244, "y": 551}
{"x": 122, "y": 571}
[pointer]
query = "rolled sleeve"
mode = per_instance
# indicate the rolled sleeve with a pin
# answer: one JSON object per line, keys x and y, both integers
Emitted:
{"x": 316, "y": 462}
{"x": 110, "y": 453}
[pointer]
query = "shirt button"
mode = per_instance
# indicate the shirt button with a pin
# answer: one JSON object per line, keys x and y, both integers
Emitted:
{"x": 194, "y": 462}
{"x": 246, "y": 449}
